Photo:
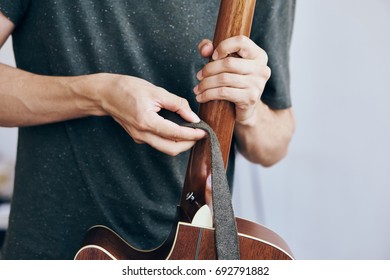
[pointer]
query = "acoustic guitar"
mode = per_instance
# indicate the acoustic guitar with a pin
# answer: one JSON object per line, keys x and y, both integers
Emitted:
{"x": 207, "y": 228}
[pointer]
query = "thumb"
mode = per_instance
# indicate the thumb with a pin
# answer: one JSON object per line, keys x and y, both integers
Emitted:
{"x": 206, "y": 48}
{"x": 178, "y": 105}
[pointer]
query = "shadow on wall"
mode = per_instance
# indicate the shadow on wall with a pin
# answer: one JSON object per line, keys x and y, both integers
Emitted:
{"x": 6, "y": 186}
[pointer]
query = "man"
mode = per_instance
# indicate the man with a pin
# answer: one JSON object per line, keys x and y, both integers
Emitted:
{"x": 92, "y": 77}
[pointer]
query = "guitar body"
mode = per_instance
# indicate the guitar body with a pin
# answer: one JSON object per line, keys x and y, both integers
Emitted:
{"x": 187, "y": 242}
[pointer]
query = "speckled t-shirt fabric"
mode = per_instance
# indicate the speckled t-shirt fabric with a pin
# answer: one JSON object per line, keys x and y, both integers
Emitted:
{"x": 75, "y": 174}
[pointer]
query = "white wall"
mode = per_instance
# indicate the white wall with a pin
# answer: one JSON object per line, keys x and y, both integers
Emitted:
{"x": 329, "y": 198}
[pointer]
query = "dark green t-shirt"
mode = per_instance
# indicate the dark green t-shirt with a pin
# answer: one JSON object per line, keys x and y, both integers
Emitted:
{"x": 75, "y": 174}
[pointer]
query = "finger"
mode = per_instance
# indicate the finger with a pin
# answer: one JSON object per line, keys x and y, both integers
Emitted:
{"x": 162, "y": 128}
{"x": 241, "y": 90}
{"x": 230, "y": 65}
{"x": 167, "y": 146}
{"x": 170, "y": 130}
{"x": 241, "y": 45}
{"x": 235, "y": 95}
{"x": 222, "y": 80}
{"x": 238, "y": 80}
{"x": 206, "y": 48}
{"x": 178, "y": 105}
{"x": 243, "y": 99}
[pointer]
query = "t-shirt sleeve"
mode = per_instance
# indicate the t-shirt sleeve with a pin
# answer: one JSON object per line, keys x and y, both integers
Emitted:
{"x": 272, "y": 31}
{"x": 14, "y": 9}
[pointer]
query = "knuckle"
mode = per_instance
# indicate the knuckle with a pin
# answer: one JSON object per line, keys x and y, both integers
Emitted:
{"x": 267, "y": 72}
{"x": 174, "y": 151}
{"x": 223, "y": 92}
{"x": 176, "y": 135}
{"x": 137, "y": 138}
{"x": 204, "y": 96}
{"x": 229, "y": 62}
{"x": 259, "y": 86}
{"x": 264, "y": 55}
{"x": 183, "y": 103}
{"x": 223, "y": 78}
{"x": 242, "y": 38}
{"x": 253, "y": 98}
{"x": 141, "y": 125}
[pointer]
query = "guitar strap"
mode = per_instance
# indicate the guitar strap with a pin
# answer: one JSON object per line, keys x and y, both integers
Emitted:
{"x": 226, "y": 237}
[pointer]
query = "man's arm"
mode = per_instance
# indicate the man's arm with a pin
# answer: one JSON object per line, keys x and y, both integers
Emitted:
{"x": 29, "y": 99}
{"x": 6, "y": 29}
{"x": 262, "y": 134}
{"x": 264, "y": 139}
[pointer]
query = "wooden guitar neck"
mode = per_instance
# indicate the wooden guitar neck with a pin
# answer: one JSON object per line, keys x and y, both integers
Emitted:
{"x": 234, "y": 18}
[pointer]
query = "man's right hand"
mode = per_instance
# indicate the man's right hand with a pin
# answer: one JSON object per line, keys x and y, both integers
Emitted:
{"x": 134, "y": 103}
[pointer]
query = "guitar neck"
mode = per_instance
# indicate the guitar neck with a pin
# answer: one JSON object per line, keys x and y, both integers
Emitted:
{"x": 234, "y": 18}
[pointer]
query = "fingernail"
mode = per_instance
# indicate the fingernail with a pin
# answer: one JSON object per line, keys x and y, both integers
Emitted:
{"x": 196, "y": 89}
{"x": 199, "y": 75}
{"x": 215, "y": 55}
{"x": 195, "y": 117}
{"x": 205, "y": 49}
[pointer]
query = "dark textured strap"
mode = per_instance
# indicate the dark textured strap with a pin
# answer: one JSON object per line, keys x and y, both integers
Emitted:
{"x": 226, "y": 238}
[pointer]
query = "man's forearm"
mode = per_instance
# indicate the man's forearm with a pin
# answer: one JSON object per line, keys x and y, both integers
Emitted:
{"x": 29, "y": 99}
{"x": 265, "y": 138}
